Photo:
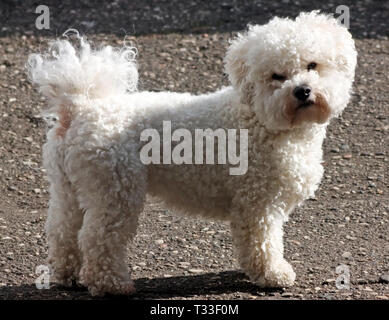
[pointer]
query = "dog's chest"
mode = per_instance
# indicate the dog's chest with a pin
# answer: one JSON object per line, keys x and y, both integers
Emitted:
{"x": 291, "y": 167}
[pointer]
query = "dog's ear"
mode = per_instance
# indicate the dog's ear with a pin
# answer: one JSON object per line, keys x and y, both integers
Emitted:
{"x": 237, "y": 69}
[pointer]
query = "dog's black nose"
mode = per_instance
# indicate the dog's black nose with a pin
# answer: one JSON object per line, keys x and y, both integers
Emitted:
{"x": 302, "y": 92}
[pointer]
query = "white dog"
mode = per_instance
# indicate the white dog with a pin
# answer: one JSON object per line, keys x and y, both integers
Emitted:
{"x": 289, "y": 78}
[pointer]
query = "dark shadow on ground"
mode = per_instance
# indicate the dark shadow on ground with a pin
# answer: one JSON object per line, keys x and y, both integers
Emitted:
{"x": 155, "y": 288}
{"x": 368, "y": 19}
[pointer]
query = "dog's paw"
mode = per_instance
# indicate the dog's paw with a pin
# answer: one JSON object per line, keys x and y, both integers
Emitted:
{"x": 111, "y": 286}
{"x": 66, "y": 275}
{"x": 277, "y": 275}
{"x": 101, "y": 282}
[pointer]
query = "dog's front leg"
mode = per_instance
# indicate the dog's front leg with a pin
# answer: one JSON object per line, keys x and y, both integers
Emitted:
{"x": 259, "y": 245}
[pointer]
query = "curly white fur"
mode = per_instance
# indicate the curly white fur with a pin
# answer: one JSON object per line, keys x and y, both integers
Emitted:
{"x": 98, "y": 183}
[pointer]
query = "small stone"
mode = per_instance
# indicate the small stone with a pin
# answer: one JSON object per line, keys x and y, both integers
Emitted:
{"x": 347, "y": 156}
{"x": 384, "y": 278}
{"x": 195, "y": 270}
{"x": 347, "y": 255}
{"x": 287, "y": 294}
{"x": 382, "y": 297}
{"x": 328, "y": 281}
{"x": 335, "y": 150}
{"x": 159, "y": 241}
{"x": 37, "y": 191}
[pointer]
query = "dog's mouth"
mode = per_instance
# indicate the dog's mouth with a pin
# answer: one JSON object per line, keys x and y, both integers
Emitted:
{"x": 305, "y": 104}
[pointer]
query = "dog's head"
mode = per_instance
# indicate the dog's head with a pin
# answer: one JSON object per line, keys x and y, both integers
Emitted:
{"x": 294, "y": 72}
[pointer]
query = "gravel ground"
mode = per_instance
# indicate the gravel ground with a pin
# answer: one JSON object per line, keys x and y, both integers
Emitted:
{"x": 181, "y": 47}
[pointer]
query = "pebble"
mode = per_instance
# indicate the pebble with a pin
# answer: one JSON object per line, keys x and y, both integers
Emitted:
{"x": 287, "y": 294}
{"x": 159, "y": 241}
{"x": 328, "y": 281}
{"x": 195, "y": 270}
{"x": 384, "y": 278}
{"x": 347, "y": 255}
{"x": 382, "y": 297}
{"x": 184, "y": 264}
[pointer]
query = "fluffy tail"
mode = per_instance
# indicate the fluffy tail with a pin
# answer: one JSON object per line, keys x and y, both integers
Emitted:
{"x": 66, "y": 73}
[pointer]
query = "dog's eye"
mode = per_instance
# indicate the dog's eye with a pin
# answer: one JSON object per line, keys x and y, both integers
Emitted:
{"x": 311, "y": 66}
{"x": 278, "y": 77}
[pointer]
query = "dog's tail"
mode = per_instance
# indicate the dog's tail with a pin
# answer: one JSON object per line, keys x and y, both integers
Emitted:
{"x": 67, "y": 73}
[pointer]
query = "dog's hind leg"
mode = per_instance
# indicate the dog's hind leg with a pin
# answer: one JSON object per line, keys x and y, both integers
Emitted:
{"x": 64, "y": 219}
{"x": 113, "y": 198}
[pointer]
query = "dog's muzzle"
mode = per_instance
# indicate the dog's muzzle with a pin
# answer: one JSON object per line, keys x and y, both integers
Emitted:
{"x": 303, "y": 95}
